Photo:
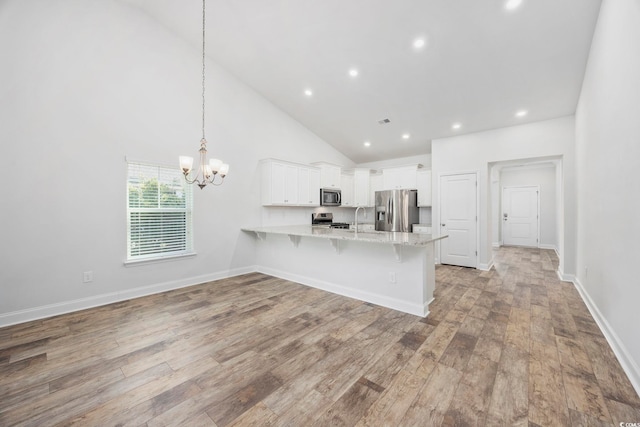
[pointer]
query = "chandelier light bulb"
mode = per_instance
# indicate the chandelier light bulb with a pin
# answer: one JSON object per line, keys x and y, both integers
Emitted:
{"x": 207, "y": 172}
{"x": 186, "y": 163}
{"x": 215, "y": 165}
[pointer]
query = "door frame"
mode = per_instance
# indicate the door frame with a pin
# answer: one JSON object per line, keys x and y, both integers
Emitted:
{"x": 502, "y": 224}
{"x": 439, "y": 210}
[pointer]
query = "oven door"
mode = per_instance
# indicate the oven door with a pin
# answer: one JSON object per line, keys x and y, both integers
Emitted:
{"x": 330, "y": 197}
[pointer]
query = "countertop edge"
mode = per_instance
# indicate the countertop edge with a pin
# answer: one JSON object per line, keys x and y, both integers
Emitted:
{"x": 390, "y": 238}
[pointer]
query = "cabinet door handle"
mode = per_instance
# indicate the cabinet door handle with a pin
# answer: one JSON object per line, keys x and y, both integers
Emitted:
{"x": 444, "y": 225}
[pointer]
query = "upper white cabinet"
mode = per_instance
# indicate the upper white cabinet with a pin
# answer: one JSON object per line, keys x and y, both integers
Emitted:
{"x": 279, "y": 184}
{"x": 375, "y": 184}
{"x": 330, "y": 175}
{"x": 289, "y": 184}
{"x": 403, "y": 177}
{"x": 361, "y": 188}
{"x": 308, "y": 186}
{"x": 424, "y": 188}
{"x": 346, "y": 187}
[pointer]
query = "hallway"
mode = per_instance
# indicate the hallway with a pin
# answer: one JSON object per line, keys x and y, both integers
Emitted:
{"x": 530, "y": 344}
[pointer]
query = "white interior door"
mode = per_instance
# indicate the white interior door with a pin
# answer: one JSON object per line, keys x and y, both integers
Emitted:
{"x": 520, "y": 216}
{"x": 459, "y": 219}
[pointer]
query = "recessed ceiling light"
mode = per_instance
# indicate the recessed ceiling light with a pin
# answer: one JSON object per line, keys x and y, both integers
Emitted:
{"x": 353, "y": 72}
{"x": 308, "y": 92}
{"x": 419, "y": 43}
{"x": 406, "y": 136}
{"x": 456, "y": 126}
{"x": 521, "y": 113}
{"x": 512, "y": 4}
{"x": 367, "y": 144}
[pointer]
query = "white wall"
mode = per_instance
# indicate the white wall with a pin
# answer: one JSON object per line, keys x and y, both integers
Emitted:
{"x": 84, "y": 84}
{"x": 476, "y": 152}
{"x": 545, "y": 178}
{"x": 423, "y": 159}
{"x": 607, "y": 157}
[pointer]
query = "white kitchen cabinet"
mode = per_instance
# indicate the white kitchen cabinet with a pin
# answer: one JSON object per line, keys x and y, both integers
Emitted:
{"x": 363, "y": 227}
{"x": 346, "y": 187}
{"x": 308, "y": 186}
{"x": 375, "y": 184}
{"x": 424, "y": 188}
{"x": 314, "y": 186}
{"x": 390, "y": 179}
{"x": 361, "y": 188}
{"x": 422, "y": 229}
{"x": 403, "y": 177}
{"x": 289, "y": 184}
{"x": 330, "y": 175}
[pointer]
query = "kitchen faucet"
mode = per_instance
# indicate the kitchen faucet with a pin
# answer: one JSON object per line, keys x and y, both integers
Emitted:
{"x": 356, "y": 216}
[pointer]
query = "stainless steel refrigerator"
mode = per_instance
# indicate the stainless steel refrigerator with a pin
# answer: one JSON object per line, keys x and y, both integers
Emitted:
{"x": 396, "y": 210}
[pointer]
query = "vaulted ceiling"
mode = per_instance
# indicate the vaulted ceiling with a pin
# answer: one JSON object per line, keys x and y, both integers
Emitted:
{"x": 480, "y": 64}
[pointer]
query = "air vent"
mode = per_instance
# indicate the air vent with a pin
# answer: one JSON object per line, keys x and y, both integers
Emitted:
{"x": 384, "y": 121}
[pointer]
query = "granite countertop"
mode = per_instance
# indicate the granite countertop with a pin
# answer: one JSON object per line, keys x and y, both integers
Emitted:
{"x": 394, "y": 238}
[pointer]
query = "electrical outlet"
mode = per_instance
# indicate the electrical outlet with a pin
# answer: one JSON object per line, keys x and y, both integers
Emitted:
{"x": 87, "y": 277}
{"x": 392, "y": 277}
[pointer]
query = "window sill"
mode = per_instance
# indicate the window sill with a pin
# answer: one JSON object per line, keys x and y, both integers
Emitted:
{"x": 137, "y": 262}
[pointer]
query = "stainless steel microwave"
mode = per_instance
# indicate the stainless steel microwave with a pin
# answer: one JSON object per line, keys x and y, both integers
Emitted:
{"x": 330, "y": 197}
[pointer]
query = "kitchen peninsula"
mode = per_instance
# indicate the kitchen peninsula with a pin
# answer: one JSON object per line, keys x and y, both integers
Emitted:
{"x": 391, "y": 269}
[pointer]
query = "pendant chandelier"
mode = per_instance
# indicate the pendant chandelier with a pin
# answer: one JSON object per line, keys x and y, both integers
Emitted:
{"x": 207, "y": 172}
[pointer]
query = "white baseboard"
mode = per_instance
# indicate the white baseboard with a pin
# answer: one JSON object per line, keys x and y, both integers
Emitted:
{"x": 36, "y": 313}
{"x": 627, "y": 362}
{"x": 565, "y": 277}
{"x": 546, "y": 246}
{"x": 487, "y": 266}
{"x": 496, "y": 244}
{"x": 421, "y": 310}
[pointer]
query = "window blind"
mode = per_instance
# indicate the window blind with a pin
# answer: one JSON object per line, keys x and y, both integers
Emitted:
{"x": 159, "y": 212}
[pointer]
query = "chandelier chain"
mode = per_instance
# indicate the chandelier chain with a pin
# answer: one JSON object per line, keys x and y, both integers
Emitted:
{"x": 203, "y": 62}
{"x": 215, "y": 171}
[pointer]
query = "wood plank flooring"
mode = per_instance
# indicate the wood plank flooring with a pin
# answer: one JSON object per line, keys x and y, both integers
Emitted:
{"x": 513, "y": 346}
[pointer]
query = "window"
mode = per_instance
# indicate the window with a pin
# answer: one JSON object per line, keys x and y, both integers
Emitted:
{"x": 159, "y": 212}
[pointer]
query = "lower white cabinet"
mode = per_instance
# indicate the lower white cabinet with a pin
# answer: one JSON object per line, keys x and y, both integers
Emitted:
{"x": 422, "y": 229}
{"x": 363, "y": 227}
{"x": 424, "y": 188}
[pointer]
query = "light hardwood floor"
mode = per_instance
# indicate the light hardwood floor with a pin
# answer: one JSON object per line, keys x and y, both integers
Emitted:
{"x": 513, "y": 346}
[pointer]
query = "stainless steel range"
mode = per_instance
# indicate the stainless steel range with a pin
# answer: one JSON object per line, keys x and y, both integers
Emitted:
{"x": 325, "y": 219}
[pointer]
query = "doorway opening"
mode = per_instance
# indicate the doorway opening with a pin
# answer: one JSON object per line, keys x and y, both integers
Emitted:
{"x": 547, "y": 175}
